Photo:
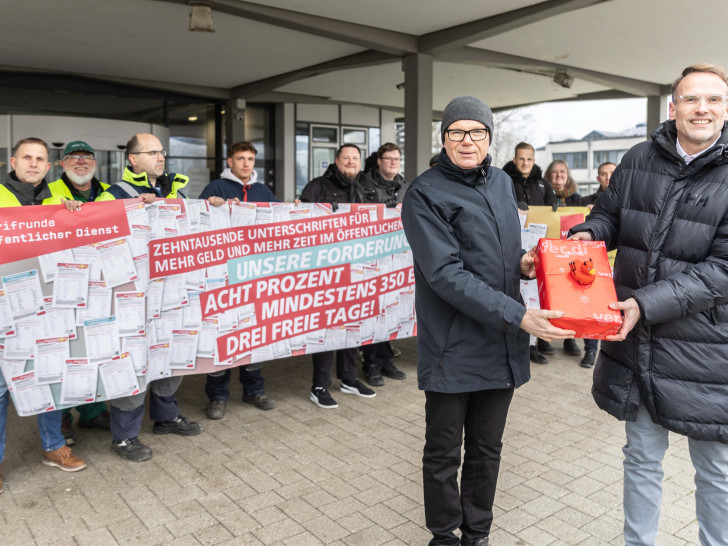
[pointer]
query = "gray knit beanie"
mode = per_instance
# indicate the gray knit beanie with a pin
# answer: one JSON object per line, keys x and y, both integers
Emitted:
{"x": 467, "y": 107}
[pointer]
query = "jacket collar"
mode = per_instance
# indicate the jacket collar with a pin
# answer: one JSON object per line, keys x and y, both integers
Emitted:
{"x": 470, "y": 177}
{"x": 664, "y": 139}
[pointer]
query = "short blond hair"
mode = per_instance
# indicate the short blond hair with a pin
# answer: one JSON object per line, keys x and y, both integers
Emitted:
{"x": 702, "y": 67}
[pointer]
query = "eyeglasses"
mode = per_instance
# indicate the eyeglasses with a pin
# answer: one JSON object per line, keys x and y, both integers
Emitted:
{"x": 392, "y": 159}
{"x": 154, "y": 154}
{"x": 457, "y": 135}
{"x": 77, "y": 158}
{"x": 710, "y": 100}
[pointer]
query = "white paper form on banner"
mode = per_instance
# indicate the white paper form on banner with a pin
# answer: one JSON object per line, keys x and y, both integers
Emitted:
{"x": 98, "y": 303}
{"x": 80, "y": 378}
{"x": 102, "y": 338}
{"x": 242, "y": 214}
{"x": 130, "y": 310}
{"x": 10, "y": 369}
{"x": 184, "y": 349}
{"x": 57, "y": 322}
{"x": 174, "y": 293}
{"x": 117, "y": 263}
{"x": 158, "y": 362}
{"x": 48, "y": 263}
{"x": 119, "y": 377}
{"x": 31, "y": 398}
{"x": 50, "y": 358}
{"x": 70, "y": 289}
{"x": 21, "y": 346}
{"x": 154, "y": 297}
{"x": 88, "y": 255}
{"x": 141, "y": 263}
{"x": 7, "y": 324}
{"x": 136, "y": 346}
{"x": 24, "y": 294}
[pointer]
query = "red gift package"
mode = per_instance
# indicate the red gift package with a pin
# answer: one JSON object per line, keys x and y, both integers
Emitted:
{"x": 575, "y": 277}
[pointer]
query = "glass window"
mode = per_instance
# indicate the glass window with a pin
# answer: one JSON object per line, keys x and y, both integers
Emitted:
{"x": 375, "y": 138}
{"x": 575, "y": 160}
{"x": 611, "y": 156}
{"x": 302, "y": 143}
{"x": 325, "y": 134}
{"x": 322, "y": 158}
{"x": 354, "y": 136}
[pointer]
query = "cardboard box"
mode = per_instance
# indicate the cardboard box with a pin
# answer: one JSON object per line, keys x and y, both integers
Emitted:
{"x": 562, "y": 273}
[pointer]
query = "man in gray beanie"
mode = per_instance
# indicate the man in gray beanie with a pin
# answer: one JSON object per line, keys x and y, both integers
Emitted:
{"x": 461, "y": 220}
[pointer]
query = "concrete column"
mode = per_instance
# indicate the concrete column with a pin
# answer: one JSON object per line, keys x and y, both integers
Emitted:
{"x": 234, "y": 121}
{"x": 417, "y": 113}
{"x": 656, "y": 112}
{"x": 285, "y": 154}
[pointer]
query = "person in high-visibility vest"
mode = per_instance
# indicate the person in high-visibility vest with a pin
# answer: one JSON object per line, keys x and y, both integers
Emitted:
{"x": 79, "y": 182}
{"x": 26, "y": 185}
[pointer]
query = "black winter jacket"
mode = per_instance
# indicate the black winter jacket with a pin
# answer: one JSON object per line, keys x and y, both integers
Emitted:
{"x": 389, "y": 190}
{"x": 466, "y": 242}
{"x": 669, "y": 222}
{"x": 333, "y": 188}
{"x": 591, "y": 198}
{"x": 534, "y": 191}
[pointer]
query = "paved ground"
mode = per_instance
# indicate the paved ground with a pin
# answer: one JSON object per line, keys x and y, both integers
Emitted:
{"x": 303, "y": 475}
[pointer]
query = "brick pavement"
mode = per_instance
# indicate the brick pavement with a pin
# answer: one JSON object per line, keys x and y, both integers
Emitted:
{"x": 303, "y": 475}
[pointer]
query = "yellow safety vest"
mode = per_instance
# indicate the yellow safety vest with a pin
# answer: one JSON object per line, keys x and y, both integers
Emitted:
{"x": 8, "y": 199}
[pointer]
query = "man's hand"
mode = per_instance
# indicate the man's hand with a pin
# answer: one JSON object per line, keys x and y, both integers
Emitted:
{"x": 216, "y": 201}
{"x": 536, "y": 323}
{"x": 72, "y": 206}
{"x": 632, "y": 314}
{"x": 581, "y": 236}
{"x": 148, "y": 198}
{"x": 528, "y": 267}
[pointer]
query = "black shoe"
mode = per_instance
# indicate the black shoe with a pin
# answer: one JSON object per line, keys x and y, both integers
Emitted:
{"x": 261, "y": 402}
{"x": 391, "y": 371}
{"x": 544, "y": 347}
{"x": 588, "y": 360}
{"x": 571, "y": 348}
{"x": 321, "y": 397}
{"x": 536, "y": 357}
{"x": 132, "y": 450}
{"x": 180, "y": 426}
{"x": 101, "y": 421}
{"x": 358, "y": 388}
{"x": 216, "y": 409}
{"x": 374, "y": 377}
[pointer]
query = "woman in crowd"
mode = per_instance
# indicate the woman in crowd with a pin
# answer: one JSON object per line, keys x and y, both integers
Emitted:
{"x": 559, "y": 176}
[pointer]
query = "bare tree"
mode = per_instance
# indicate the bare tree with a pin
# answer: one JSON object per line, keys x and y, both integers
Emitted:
{"x": 511, "y": 127}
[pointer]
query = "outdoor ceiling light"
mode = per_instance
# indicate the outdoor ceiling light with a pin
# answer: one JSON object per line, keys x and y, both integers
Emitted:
{"x": 562, "y": 79}
{"x": 201, "y": 17}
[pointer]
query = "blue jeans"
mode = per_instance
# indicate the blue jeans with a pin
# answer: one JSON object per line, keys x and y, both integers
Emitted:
{"x": 49, "y": 424}
{"x": 643, "y": 454}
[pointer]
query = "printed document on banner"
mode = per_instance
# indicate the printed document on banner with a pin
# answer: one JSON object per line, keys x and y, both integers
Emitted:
{"x": 155, "y": 290}
{"x": 184, "y": 349}
{"x": 50, "y": 357}
{"x": 119, "y": 377}
{"x": 98, "y": 303}
{"x": 242, "y": 214}
{"x": 70, "y": 289}
{"x": 88, "y": 255}
{"x": 117, "y": 263}
{"x": 22, "y": 345}
{"x": 10, "y": 369}
{"x": 136, "y": 346}
{"x": 102, "y": 338}
{"x": 57, "y": 322}
{"x": 158, "y": 362}
{"x": 31, "y": 398}
{"x": 48, "y": 263}
{"x": 24, "y": 294}
{"x": 130, "y": 308}
{"x": 7, "y": 324}
{"x": 80, "y": 378}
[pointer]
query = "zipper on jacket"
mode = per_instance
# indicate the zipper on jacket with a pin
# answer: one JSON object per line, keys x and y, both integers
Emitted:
{"x": 447, "y": 339}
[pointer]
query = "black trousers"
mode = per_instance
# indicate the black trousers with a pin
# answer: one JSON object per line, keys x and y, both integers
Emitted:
{"x": 482, "y": 415}
{"x": 377, "y": 355}
{"x": 345, "y": 366}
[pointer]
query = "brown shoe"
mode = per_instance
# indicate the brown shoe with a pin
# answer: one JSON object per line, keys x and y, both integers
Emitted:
{"x": 63, "y": 458}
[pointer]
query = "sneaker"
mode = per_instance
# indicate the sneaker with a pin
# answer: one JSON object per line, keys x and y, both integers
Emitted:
{"x": 536, "y": 357}
{"x": 374, "y": 377}
{"x": 571, "y": 348}
{"x": 391, "y": 371}
{"x": 67, "y": 429}
{"x": 179, "y": 425}
{"x": 544, "y": 347}
{"x": 216, "y": 409}
{"x": 588, "y": 360}
{"x": 322, "y": 398}
{"x": 132, "y": 450}
{"x": 102, "y": 421}
{"x": 358, "y": 388}
{"x": 63, "y": 458}
{"x": 261, "y": 402}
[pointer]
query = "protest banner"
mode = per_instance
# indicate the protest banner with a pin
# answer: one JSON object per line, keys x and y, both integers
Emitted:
{"x": 97, "y": 303}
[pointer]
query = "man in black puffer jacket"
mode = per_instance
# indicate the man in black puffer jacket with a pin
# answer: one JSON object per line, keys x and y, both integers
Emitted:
{"x": 343, "y": 182}
{"x": 666, "y": 211}
{"x": 461, "y": 221}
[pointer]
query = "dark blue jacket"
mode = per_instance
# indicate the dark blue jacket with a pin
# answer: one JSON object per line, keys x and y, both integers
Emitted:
{"x": 230, "y": 189}
{"x": 669, "y": 222}
{"x": 465, "y": 236}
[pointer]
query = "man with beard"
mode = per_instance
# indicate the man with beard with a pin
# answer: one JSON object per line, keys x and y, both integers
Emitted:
{"x": 79, "y": 183}
{"x": 343, "y": 182}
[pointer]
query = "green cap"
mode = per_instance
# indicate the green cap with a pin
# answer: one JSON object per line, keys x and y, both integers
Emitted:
{"x": 78, "y": 146}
